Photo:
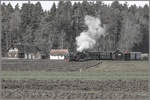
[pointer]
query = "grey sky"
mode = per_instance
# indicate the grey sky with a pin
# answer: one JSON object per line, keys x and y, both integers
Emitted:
{"x": 47, "y": 4}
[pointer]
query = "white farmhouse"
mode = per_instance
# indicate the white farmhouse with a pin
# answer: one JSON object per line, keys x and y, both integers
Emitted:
{"x": 58, "y": 54}
{"x": 13, "y": 53}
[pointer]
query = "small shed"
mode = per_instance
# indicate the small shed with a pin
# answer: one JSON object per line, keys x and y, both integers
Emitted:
{"x": 58, "y": 54}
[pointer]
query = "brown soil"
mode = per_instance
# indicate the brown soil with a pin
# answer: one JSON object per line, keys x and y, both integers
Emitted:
{"x": 73, "y": 89}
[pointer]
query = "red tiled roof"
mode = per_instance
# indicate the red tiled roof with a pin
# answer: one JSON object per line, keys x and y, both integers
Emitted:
{"x": 59, "y": 51}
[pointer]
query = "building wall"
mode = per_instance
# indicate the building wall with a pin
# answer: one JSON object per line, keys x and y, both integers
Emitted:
{"x": 58, "y": 57}
{"x": 32, "y": 56}
{"x": 13, "y": 53}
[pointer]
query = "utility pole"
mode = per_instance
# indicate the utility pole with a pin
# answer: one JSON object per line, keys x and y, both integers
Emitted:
{"x": 0, "y": 36}
{"x": 0, "y": 52}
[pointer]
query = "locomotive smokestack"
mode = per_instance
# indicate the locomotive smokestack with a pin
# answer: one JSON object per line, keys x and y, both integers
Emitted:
{"x": 87, "y": 39}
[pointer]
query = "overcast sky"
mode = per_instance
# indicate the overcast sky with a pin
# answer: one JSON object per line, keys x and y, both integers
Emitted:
{"x": 47, "y": 4}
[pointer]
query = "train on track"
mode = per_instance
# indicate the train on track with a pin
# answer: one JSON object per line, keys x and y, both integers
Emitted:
{"x": 65, "y": 54}
{"x": 116, "y": 55}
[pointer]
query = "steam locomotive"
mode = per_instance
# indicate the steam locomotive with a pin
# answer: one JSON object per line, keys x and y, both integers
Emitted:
{"x": 89, "y": 55}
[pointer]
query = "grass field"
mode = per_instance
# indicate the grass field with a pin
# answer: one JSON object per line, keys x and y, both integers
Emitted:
{"x": 74, "y": 75}
{"x": 75, "y": 80}
{"x": 108, "y": 70}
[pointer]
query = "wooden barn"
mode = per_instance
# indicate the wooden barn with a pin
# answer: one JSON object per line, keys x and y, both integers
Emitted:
{"x": 58, "y": 54}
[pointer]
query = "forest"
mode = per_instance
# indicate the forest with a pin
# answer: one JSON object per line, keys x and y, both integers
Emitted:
{"x": 57, "y": 28}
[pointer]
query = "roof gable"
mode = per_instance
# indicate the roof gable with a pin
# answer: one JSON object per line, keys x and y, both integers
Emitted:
{"x": 59, "y": 51}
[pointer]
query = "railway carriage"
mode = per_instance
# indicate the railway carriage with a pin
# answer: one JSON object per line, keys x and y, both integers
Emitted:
{"x": 89, "y": 55}
{"x": 105, "y": 55}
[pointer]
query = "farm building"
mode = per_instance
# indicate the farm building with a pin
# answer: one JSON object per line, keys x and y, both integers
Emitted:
{"x": 58, "y": 54}
{"x": 144, "y": 56}
{"x": 36, "y": 55}
{"x": 26, "y": 52}
{"x": 13, "y": 53}
{"x": 32, "y": 52}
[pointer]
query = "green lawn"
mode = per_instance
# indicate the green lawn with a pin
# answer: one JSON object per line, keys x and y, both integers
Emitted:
{"x": 73, "y": 75}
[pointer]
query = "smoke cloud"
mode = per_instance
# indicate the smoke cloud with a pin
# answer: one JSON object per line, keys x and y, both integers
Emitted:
{"x": 87, "y": 39}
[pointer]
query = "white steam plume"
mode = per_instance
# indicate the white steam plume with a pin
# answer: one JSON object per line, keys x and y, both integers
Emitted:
{"x": 87, "y": 39}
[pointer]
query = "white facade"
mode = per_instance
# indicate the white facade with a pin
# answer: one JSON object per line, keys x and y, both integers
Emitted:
{"x": 58, "y": 57}
{"x": 58, "y": 54}
{"x": 32, "y": 56}
{"x": 13, "y": 53}
{"x": 144, "y": 56}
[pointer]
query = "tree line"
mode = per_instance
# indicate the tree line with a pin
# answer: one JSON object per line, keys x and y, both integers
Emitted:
{"x": 30, "y": 25}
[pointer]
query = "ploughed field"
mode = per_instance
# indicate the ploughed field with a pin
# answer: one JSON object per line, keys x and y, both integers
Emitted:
{"x": 75, "y": 80}
{"x": 75, "y": 89}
